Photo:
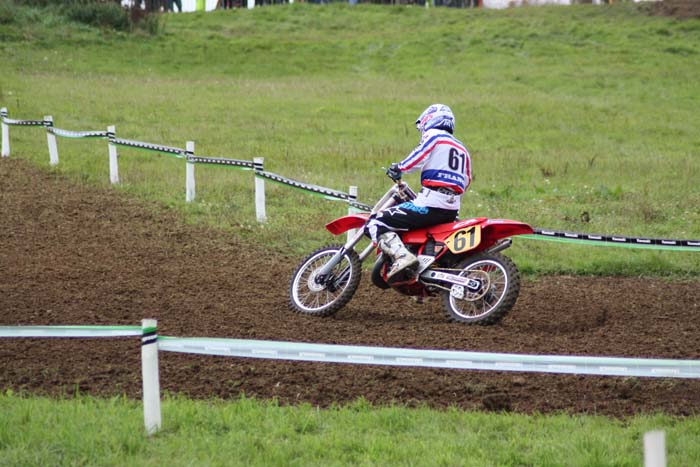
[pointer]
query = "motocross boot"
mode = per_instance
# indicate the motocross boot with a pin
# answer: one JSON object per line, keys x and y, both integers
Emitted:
{"x": 391, "y": 245}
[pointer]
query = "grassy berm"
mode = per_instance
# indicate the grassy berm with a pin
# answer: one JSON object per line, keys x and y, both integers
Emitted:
{"x": 581, "y": 118}
{"x": 578, "y": 118}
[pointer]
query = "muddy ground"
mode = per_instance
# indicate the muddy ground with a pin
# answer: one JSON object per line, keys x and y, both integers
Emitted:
{"x": 70, "y": 254}
{"x": 683, "y": 9}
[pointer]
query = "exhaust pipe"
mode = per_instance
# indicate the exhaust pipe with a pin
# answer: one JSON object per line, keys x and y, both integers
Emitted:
{"x": 501, "y": 245}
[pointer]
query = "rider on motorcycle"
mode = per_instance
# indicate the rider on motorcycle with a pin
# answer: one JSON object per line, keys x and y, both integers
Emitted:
{"x": 445, "y": 175}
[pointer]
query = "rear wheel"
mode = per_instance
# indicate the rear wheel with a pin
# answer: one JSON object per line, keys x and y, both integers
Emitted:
{"x": 488, "y": 303}
{"x": 311, "y": 294}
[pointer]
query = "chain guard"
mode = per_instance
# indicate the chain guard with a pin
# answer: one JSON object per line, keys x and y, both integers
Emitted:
{"x": 470, "y": 287}
{"x": 474, "y": 286}
{"x": 472, "y": 294}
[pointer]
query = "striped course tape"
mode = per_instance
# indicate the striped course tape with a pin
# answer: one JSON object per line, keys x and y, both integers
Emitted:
{"x": 149, "y": 336}
{"x": 9, "y": 121}
{"x": 332, "y": 353}
{"x": 70, "y": 331}
{"x": 243, "y": 165}
{"x": 360, "y": 206}
{"x": 328, "y": 193}
{"x": 77, "y": 134}
{"x": 177, "y": 152}
{"x": 432, "y": 358}
{"x": 614, "y": 240}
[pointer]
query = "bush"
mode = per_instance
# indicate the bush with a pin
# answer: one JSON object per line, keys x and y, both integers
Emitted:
{"x": 41, "y": 3}
{"x": 143, "y": 20}
{"x": 108, "y": 15}
{"x": 7, "y": 12}
{"x": 20, "y": 15}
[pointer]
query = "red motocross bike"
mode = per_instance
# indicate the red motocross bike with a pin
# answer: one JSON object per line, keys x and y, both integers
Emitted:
{"x": 460, "y": 261}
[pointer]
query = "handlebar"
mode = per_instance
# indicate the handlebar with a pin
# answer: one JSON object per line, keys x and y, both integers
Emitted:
{"x": 393, "y": 172}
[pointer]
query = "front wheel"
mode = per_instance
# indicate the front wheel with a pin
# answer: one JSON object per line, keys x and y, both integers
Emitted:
{"x": 499, "y": 286}
{"x": 323, "y": 296}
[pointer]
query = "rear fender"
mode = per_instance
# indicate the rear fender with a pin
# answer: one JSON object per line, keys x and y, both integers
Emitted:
{"x": 491, "y": 231}
{"x": 345, "y": 223}
{"x": 439, "y": 232}
{"x": 497, "y": 229}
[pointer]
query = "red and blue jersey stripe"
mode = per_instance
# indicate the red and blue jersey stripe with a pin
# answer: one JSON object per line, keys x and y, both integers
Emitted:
{"x": 444, "y": 161}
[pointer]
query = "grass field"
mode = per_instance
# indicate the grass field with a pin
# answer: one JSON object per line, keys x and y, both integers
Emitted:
{"x": 566, "y": 111}
{"x": 100, "y": 432}
{"x": 582, "y": 119}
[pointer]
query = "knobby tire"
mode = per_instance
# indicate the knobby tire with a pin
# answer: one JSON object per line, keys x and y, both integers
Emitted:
{"x": 307, "y": 266}
{"x": 506, "y": 301}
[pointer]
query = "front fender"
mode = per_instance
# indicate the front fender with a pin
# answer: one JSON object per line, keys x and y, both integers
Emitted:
{"x": 345, "y": 223}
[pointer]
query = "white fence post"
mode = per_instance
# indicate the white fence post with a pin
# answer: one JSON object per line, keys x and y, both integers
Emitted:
{"x": 149, "y": 373}
{"x": 113, "y": 156}
{"x": 259, "y": 190}
{"x": 251, "y": 4}
{"x": 5, "y": 133}
{"x": 51, "y": 139}
{"x": 351, "y": 209}
{"x": 654, "y": 449}
{"x": 190, "y": 192}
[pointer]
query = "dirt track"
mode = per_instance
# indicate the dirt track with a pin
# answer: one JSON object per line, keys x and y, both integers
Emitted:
{"x": 684, "y": 9}
{"x": 76, "y": 255}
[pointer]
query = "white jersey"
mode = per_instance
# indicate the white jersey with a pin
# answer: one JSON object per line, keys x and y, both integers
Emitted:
{"x": 445, "y": 164}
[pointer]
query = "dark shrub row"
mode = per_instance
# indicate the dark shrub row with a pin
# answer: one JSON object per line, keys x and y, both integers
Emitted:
{"x": 106, "y": 14}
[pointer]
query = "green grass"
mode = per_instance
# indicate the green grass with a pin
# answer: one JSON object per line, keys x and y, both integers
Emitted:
{"x": 566, "y": 111}
{"x": 96, "y": 432}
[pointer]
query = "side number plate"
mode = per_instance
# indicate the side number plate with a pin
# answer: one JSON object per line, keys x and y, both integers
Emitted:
{"x": 464, "y": 239}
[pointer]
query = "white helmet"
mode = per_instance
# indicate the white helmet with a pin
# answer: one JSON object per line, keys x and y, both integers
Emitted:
{"x": 436, "y": 116}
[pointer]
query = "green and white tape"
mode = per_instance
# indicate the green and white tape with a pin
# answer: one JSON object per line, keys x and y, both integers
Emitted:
{"x": 327, "y": 193}
{"x": 238, "y": 164}
{"x": 77, "y": 134}
{"x": 432, "y": 358}
{"x": 70, "y": 331}
{"x": 365, "y": 355}
{"x": 177, "y": 152}
{"x": 613, "y": 240}
{"x": 10, "y": 121}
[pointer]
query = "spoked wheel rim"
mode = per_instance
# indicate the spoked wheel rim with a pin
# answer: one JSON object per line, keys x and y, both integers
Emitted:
{"x": 493, "y": 291}
{"x": 310, "y": 295}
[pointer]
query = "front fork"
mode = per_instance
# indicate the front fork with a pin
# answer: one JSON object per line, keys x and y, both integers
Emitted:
{"x": 390, "y": 198}
{"x": 324, "y": 276}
